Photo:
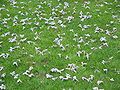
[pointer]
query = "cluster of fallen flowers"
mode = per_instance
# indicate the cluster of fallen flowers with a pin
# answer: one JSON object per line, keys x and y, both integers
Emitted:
{"x": 71, "y": 67}
{"x": 2, "y": 76}
{"x": 59, "y": 18}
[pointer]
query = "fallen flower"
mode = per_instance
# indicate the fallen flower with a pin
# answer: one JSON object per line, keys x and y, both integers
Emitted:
{"x": 54, "y": 78}
{"x": 1, "y": 68}
{"x": 72, "y": 67}
{"x": 31, "y": 75}
{"x": 112, "y": 80}
{"x": 75, "y": 78}
{"x": 68, "y": 76}
{"x": 49, "y": 76}
{"x": 19, "y": 81}
{"x": 83, "y": 64}
{"x": 103, "y": 39}
{"x": 3, "y": 75}
{"x": 2, "y": 87}
{"x": 56, "y": 70}
{"x": 15, "y": 63}
{"x": 91, "y": 77}
{"x": 95, "y": 88}
{"x": 115, "y": 36}
{"x": 99, "y": 82}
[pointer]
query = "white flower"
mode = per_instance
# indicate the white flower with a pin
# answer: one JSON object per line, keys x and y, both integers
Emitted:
{"x": 30, "y": 68}
{"x": 99, "y": 82}
{"x": 79, "y": 53}
{"x": 62, "y": 12}
{"x": 87, "y": 35}
{"x": 110, "y": 58}
{"x": 1, "y": 68}
{"x": 59, "y": 55}
{"x": 72, "y": 67}
{"x": 12, "y": 39}
{"x": 91, "y": 77}
{"x": 4, "y": 55}
{"x": 13, "y": 48}
{"x": 112, "y": 80}
{"x": 81, "y": 40}
{"x": 67, "y": 57}
{"x": 111, "y": 22}
{"x": 59, "y": 21}
{"x": 62, "y": 47}
{"x": 97, "y": 30}
{"x": 31, "y": 75}
{"x": 71, "y": 30}
{"x": 103, "y": 39}
{"x": 56, "y": 70}
{"x": 52, "y": 23}
{"x": 13, "y": 73}
{"x": 96, "y": 71}
{"x": 105, "y": 44}
{"x": 95, "y": 88}
{"x": 83, "y": 64}
{"x": 84, "y": 78}
{"x": 69, "y": 18}
{"x": 86, "y": 26}
{"x": 2, "y": 87}
{"x": 75, "y": 78}
{"x": 68, "y": 76}
{"x": 15, "y": 63}
{"x": 62, "y": 25}
{"x": 105, "y": 70}
{"x": 54, "y": 78}
{"x": 87, "y": 56}
{"x": 78, "y": 46}
{"x": 49, "y": 76}
{"x": 101, "y": 89}
{"x": 19, "y": 81}
{"x": 16, "y": 76}
{"x": 3, "y": 75}
{"x": 57, "y": 41}
{"x": 66, "y": 4}
{"x": 107, "y": 32}
{"x": 22, "y": 35}
{"x": 115, "y": 36}
{"x": 64, "y": 79}
{"x": 61, "y": 77}
{"x": 103, "y": 61}
{"x": 23, "y": 40}
{"x": 76, "y": 34}
{"x": 25, "y": 73}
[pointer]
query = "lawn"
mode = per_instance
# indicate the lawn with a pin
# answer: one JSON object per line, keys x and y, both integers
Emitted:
{"x": 59, "y": 44}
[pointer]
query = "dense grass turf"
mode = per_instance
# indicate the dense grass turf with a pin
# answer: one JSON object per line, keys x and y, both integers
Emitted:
{"x": 28, "y": 23}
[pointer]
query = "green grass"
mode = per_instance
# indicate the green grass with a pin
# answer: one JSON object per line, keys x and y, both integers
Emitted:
{"x": 50, "y": 59}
